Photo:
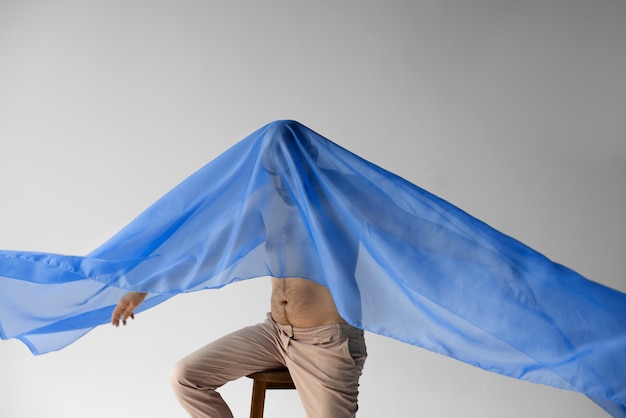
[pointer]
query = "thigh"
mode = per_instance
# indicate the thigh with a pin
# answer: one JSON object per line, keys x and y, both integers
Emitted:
{"x": 237, "y": 354}
{"x": 327, "y": 372}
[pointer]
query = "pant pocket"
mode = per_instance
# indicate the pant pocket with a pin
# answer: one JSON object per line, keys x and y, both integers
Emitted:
{"x": 357, "y": 349}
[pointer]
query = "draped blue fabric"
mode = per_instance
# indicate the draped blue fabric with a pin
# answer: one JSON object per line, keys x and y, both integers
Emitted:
{"x": 399, "y": 261}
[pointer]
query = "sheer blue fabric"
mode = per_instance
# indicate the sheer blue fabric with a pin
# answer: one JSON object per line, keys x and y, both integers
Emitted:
{"x": 399, "y": 261}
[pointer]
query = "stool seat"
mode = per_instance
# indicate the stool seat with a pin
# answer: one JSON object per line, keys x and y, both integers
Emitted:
{"x": 269, "y": 379}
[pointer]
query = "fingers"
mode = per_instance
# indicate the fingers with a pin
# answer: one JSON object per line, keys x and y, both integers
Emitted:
{"x": 126, "y": 306}
{"x": 117, "y": 314}
{"x": 127, "y": 314}
{"x": 121, "y": 313}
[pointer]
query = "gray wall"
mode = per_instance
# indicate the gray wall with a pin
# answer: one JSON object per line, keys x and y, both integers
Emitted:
{"x": 512, "y": 110}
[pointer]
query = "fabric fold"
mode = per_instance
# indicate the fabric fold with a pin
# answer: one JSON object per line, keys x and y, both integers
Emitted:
{"x": 398, "y": 260}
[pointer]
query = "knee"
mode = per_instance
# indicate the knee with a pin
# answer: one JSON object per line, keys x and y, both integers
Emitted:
{"x": 191, "y": 375}
{"x": 180, "y": 376}
{"x": 176, "y": 375}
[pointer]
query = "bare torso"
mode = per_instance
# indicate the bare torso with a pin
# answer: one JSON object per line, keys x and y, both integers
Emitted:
{"x": 302, "y": 303}
{"x": 295, "y": 301}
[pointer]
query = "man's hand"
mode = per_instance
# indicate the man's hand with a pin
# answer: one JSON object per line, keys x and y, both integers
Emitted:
{"x": 126, "y": 306}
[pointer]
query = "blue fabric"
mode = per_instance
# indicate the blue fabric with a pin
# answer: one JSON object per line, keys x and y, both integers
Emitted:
{"x": 399, "y": 261}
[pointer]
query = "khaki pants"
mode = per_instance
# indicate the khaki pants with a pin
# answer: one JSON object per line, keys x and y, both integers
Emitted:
{"x": 325, "y": 363}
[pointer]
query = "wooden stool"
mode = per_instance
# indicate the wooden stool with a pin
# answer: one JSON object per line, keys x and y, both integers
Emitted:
{"x": 271, "y": 379}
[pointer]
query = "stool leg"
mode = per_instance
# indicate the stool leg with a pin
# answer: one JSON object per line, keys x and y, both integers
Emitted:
{"x": 258, "y": 399}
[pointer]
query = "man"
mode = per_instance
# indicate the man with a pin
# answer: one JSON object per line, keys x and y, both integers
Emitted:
{"x": 304, "y": 331}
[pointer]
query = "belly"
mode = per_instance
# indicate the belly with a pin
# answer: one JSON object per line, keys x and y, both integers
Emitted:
{"x": 302, "y": 303}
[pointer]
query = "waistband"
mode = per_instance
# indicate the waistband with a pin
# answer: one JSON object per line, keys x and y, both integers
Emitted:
{"x": 318, "y": 334}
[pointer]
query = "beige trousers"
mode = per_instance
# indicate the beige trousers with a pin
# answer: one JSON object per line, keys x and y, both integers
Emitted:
{"x": 325, "y": 363}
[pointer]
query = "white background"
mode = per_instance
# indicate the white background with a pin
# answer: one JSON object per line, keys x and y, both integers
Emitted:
{"x": 513, "y": 110}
